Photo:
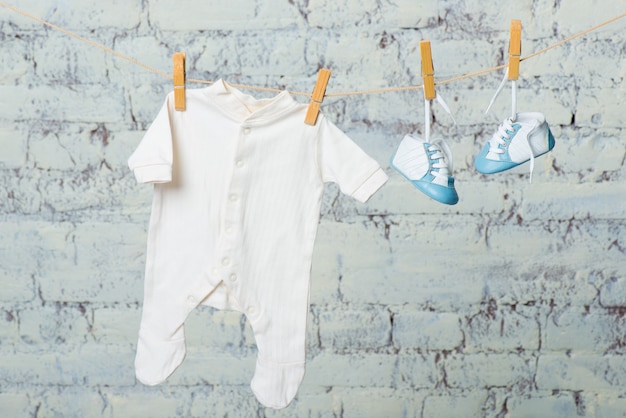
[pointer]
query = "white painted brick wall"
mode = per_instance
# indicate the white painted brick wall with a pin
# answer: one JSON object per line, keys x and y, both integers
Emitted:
{"x": 510, "y": 304}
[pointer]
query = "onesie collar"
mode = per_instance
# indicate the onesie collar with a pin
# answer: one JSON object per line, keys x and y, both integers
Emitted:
{"x": 245, "y": 108}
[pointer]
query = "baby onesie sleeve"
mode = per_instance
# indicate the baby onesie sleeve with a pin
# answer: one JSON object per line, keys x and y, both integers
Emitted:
{"x": 343, "y": 162}
{"x": 152, "y": 160}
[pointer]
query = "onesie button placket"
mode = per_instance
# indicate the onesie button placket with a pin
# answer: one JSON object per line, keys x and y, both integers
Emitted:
{"x": 230, "y": 238}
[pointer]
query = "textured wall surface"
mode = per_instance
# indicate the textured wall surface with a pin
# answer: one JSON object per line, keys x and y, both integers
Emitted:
{"x": 510, "y": 304}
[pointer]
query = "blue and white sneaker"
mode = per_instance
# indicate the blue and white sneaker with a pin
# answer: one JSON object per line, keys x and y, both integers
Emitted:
{"x": 428, "y": 166}
{"x": 514, "y": 143}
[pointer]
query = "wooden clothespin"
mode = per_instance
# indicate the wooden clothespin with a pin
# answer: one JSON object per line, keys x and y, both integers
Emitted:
{"x": 179, "y": 81}
{"x": 515, "y": 49}
{"x": 428, "y": 71}
{"x": 317, "y": 97}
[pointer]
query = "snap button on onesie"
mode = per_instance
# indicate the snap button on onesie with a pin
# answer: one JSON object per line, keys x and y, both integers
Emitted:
{"x": 238, "y": 185}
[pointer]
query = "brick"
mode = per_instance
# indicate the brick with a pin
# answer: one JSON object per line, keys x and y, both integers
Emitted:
{"x": 602, "y": 332}
{"x": 602, "y": 72}
{"x": 102, "y": 254}
{"x": 591, "y": 372}
{"x": 60, "y": 61}
{"x": 311, "y": 337}
{"x": 226, "y": 401}
{"x": 19, "y": 265}
{"x": 17, "y": 285}
{"x": 591, "y": 154}
{"x": 365, "y": 370}
{"x": 613, "y": 293}
{"x": 51, "y": 149}
{"x": 216, "y": 58}
{"x": 354, "y": 329}
{"x": 215, "y": 368}
{"x": 483, "y": 370}
{"x": 207, "y": 328}
{"x": 318, "y": 405}
{"x": 142, "y": 401}
{"x": 325, "y": 273}
{"x": 374, "y": 402}
{"x": 427, "y": 237}
{"x": 350, "y": 241}
{"x": 15, "y": 59}
{"x": 76, "y": 365}
{"x": 63, "y": 103}
{"x": 600, "y": 108}
{"x": 15, "y": 404}
{"x": 423, "y": 289}
{"x": 21, "y": 195}
{"x": 118, "y": 324}
{"x": 408, "y": 14}
{"x": 400, "y": 197}
{"x": 241, "y": 15}
{"x": 117, "y": 14}
{"x": 150, "y": 51}
{"x": 566, "y": 201}
{"x": 460, "y": 56}
{"x": 9, "y": 333}
{"x": 568, "y": 237}
{"x": 426, "y": 330}
{"x": 94, "y": 145}
{"x": 259, "y": 56}
{"x": 32, "y": 7}
{"x": 455, "y": 406}
{"x": 328, "y": 14}
{"x": 80, "y": 192}
{"x": 561, "y": 405}
{"x": 74, "y": 15}
{"x": 418, "y": 268}
{"x": 14, "y": 148}
{"x": 562, "y": 63}
{"x": 418, "y": 370}
{"x": 570, "y": 17}
{"x": 501, "y": 329}
{"x": 538, "y": 284}
{"x": 606, "y": 405}
{"x": 402, "y": 14}
{"x": 479, "y": 21}
{"x": 71, "y": 402}
{"x": 120, "y": 144}
{"x": 56, "y": 324}
{"x": 357, "y": 50}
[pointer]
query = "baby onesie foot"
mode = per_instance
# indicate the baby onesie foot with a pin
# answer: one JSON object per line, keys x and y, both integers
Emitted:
{"x": 275, "y": 384}
{"x": 157, "y": 359}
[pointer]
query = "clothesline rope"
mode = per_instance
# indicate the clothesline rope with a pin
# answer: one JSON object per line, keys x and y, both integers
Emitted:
{"x": 270, "y": 89}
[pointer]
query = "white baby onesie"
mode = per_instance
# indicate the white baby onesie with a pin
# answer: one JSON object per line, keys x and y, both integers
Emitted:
{"x": 237, "y": 195}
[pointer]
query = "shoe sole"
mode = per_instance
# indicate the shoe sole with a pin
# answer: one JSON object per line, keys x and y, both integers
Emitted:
{"x": 507, "y": 165}
{"x": 448, "y": 200}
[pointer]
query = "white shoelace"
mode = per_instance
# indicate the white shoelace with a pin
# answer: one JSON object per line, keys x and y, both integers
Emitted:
{"x": 500, "y": 138}
{"x": 442, "y": 153}
{"x": 513, "y": 95}
{"x": 507, "y": 125}
{"x": 441, "y": 150}
{"x": 428, "y": 114}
